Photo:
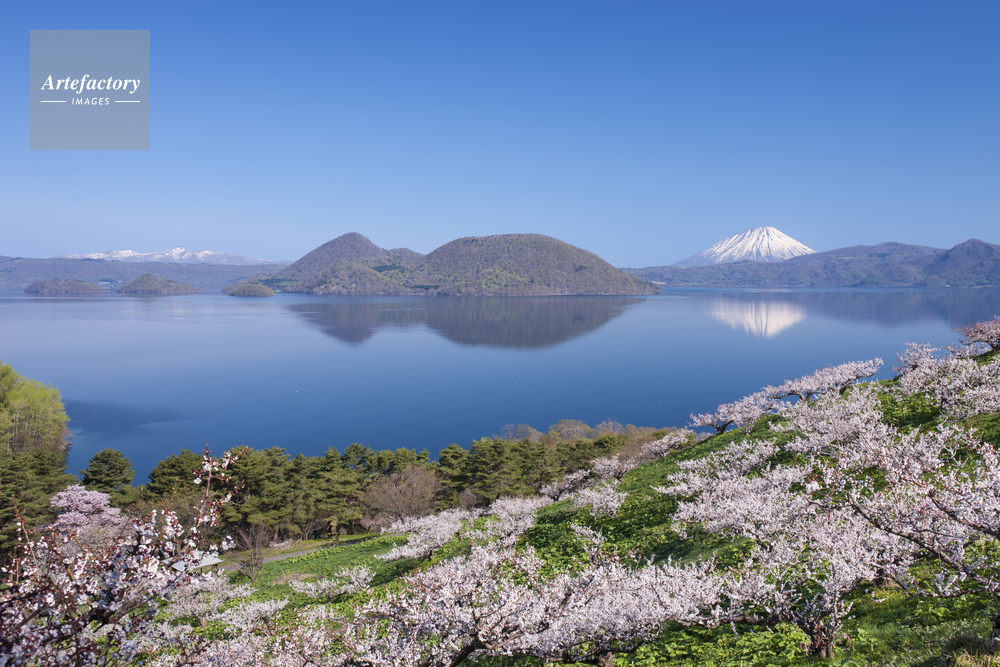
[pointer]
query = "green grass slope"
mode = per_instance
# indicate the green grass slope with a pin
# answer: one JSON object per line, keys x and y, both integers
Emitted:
{"x": 886, "y": 627}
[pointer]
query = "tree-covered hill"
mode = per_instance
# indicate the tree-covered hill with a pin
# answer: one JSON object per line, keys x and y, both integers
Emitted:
{"x": 973, "y": 263}
{"x": 63, "y": 287}
{"x": 149, "y": 283}
{"x": 503, "y": 265}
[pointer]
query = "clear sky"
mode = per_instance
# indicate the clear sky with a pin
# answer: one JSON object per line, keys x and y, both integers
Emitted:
{"x": 641, "y": 131}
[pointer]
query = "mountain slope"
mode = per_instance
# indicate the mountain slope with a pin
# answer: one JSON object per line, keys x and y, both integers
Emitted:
{"x": 763, "y": 244}
{"x": 970, "y": 264}
{"x": 509, "y": 264}
{"x": 521, "y": 264}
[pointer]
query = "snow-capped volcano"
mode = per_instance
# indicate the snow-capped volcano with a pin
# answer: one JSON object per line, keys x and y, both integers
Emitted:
{"x": 764, "y": 244}
{"x": 178, "y": 255}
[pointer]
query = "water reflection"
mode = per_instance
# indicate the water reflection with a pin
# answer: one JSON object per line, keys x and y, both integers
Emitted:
{"x": 760, "y": 318}
{"x": 109, "y": 417}
{"x": 767, "y": 314}
{"x": 511, "y": 322}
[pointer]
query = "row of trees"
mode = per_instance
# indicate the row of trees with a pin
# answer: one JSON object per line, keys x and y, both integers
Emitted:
{"x": 293, "y": 497}
{"x": 308, "y": 496}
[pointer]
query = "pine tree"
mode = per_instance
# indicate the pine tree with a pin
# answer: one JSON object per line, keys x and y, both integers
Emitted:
{"x": 107, "y": 471}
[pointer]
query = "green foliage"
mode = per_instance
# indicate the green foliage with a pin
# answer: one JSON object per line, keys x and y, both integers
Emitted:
{"x": 175, "y": 471}
{"x": 453, "y": 464}
{"x": 31, "y": 415}
{"x": 28, "y": 480}
{"x": 909, "y": 412}
{"x": 33, "y": 450}
{"x": 497, "y": 467}
{"x": 107, "y": 471}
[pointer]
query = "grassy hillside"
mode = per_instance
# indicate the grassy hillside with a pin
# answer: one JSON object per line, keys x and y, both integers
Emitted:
{"x": 507, "y": 265}
{"x": 971, "y": 264}
{"x": 885, "y": 627}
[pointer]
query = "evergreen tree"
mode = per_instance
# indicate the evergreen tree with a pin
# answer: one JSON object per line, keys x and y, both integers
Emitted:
{"x": 174, "y": 474}
{"x": 453, "y": 464}
{"x": 494, "y": 470}
{"x": 107, "y": 471}
{"x": 339, "y": 489}
{"x": 27, "y": 481}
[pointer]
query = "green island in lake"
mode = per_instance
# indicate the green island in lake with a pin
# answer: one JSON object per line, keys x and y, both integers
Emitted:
{"x": 148, "y": 283}
{"x": 62, "y": 287}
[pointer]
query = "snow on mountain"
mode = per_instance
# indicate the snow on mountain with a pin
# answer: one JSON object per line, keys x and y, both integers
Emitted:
{"x": 763, "y": 244}
{"x": 178, "y": 255}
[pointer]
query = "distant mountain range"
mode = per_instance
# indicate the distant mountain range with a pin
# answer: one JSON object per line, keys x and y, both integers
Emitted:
{"x": 763, "y": 244}
{"x": 17, "y": 273}
{"x": 508, "y": 265}
{"x": 973, "y": 263}
{"x": 178, "y": 255}
{"x": 532, "y": 264}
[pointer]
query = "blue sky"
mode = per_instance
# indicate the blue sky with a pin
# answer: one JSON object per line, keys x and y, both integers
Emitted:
{"x": 642, "y": 131}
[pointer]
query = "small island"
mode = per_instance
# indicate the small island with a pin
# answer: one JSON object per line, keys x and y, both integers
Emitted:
{"x": 248, "y": 289}
{"x": 149, "y": 283}
{"x": 62, "y": 287}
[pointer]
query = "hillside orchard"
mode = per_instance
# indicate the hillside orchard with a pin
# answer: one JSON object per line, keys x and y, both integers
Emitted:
{"x": 826, "y": 489}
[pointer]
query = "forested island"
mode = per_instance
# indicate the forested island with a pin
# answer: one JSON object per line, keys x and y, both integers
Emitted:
{"x": 149, "y": 283}
{"x": 248, "y": 289}
{"x": 63, "y": 287}
{"x": 503, "y": 265}
{"x": 830, "y": 516}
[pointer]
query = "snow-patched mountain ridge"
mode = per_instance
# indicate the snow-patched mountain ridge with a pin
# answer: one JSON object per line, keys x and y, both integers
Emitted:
{"x": 178, "y": 255}
{"x": 763, "y": 244}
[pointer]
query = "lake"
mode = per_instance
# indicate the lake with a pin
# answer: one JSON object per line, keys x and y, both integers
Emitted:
{"x": 151, "y": 375}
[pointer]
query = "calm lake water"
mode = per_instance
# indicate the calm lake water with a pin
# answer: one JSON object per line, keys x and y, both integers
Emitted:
{"x": 152, "y": 375}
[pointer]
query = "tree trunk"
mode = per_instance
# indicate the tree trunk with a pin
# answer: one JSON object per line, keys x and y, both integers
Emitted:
{"x": 821, "y": 641}
{"x": 606, "y": 659}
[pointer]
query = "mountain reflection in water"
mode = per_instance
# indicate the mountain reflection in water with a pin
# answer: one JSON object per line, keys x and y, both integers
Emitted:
{"x": 510, "y": 322}
{"x": 762, "y": 319}
{"x": 767, "y": 314}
